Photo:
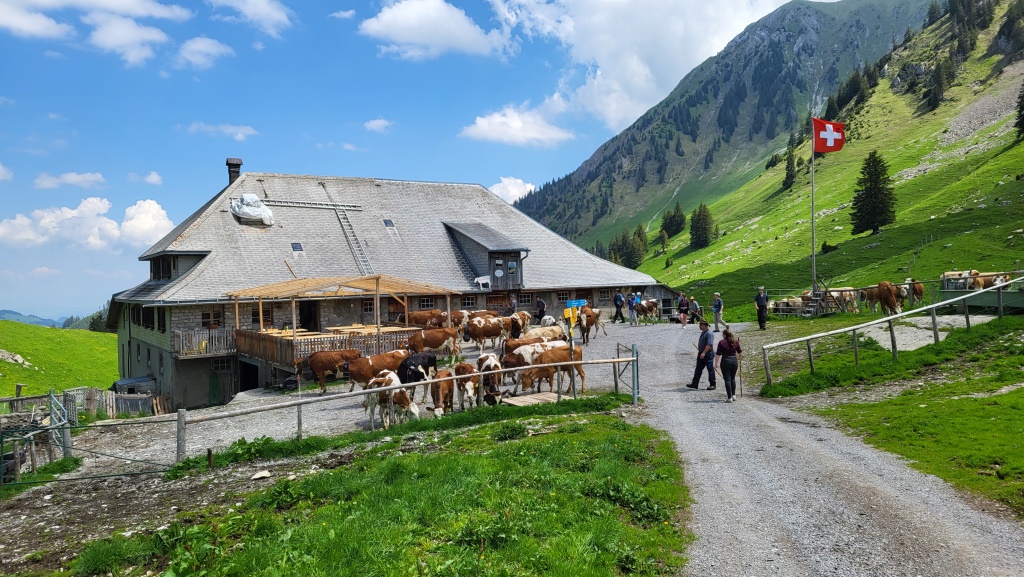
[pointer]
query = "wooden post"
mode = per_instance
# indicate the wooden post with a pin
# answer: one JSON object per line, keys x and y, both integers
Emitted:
{"x": 856, "y": 351}
{"x": 90, "y": 402}
{"x": 572, "y": 378}
{"x": 238, "y": 320}
{"x": 999, "y": 301}
{"x": 810, "y": 356}
{"x": 15, "y": 405}
{"x": 615, "y": 372}
{"x": 967, "y": 315}
{"x": 935, "y": 326}
{"x": 17, "y": 461}
{"x": 892, "y": 339}
{"x": 299, "y": 422}
{"x": 259, "y": 303}
{"x": 32, "y": 453}
{"x": 65, "y": 432}
{"x": 180, "y": 453}
{"x": 767, "y": 367}
{"x": 636, "y": 374}
{"x": 49, "y": 446}
{"x": 209, "y": 459}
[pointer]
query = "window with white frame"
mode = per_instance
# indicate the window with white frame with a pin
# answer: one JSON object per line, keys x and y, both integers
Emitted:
{"x": 222, "y": 365}
{"x": 268, "y": 315}
{"x": 368, "y": 305}
{"x": 604, "y": 294}
{"x": 563, "y": 296}
{"x": 468, "y": 301}
{"x": 426, "y": 303}
{"x": 526, "y": 298}
{"x": 213, "y": 318}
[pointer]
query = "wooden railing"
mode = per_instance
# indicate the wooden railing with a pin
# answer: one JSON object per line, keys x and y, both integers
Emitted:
{"x": 204, "y": 342}
{"x": 283, "y": 351}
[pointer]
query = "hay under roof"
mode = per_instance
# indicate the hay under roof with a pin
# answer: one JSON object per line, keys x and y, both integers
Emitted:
{"x": 335, "y": 286}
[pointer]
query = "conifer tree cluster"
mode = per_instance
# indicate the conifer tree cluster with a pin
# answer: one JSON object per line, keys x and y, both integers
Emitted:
{"x": 674, "y": 221}
{"x": 1019, "y": 125}
{"x": 702, "y": 227}
{"x": 874, "y": 199}
{"x": 627, "y": 248}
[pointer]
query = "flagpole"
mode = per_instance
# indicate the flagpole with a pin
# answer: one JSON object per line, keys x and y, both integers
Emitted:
{"x": 814, "y": 272}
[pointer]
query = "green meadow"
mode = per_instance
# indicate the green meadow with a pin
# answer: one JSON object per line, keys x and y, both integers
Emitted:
{"x": 60, "y": 358}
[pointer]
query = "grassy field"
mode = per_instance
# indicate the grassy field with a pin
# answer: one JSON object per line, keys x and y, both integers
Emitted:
{"x": 61, "y": 359}
{"x": 547, "y": 494}
{"x": 958, "y": 205}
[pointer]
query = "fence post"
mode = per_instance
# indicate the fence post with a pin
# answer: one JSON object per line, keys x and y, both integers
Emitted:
{"x": 636, "y": 374}
{"x": 90, "y": 402}
{"x": 180, "y": 454}
{"x": 810, "y": 357}
{"x": 767, "y": 367}
{"x": 65, "y": 433}
{"x": 32, "y": 453}
{"x": 17, "y": 461}
{"x": 935, "y": 326}
{"x": 856, "y": 352}
{"x": 615, "y": 371}
{"x": 999, "y": 301}
{"x": 967, "y": 315}
{"x": 892, "y": 339}
{"x": 298, "y": 411}
{"x": 15, "y": 405}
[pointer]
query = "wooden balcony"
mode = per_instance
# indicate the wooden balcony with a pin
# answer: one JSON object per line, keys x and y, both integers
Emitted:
{"x": 282, "y": 350}
{"x": 200, "y": 343}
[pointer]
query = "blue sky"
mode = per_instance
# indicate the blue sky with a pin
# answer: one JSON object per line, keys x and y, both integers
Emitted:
{"x": 116, "y": 116}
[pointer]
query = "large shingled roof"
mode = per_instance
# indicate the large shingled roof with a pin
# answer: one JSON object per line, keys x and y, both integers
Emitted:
{"x": 308, "y": 239}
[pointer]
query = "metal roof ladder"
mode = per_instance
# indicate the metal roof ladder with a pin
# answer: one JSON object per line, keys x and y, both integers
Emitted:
{"x": 362, "y": 260}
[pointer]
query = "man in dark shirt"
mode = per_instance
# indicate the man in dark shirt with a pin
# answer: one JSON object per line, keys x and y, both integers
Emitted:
{"x": 542, "y": 309}
{"x": 705, "y": 357}
{"x": 619, "y": 301}
{"x": 761, "y": 302}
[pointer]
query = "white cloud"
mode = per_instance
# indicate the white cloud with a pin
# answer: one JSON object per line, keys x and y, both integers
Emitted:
{"x": 145, "y": 222}
{"x": 86, "y": 226}
{"x": 153, "y": 178}
{"x": 518, "y": 127}
{"x": 238, "y": 132}
{"x": 419, "y": 29}
{"x": 270, "y": 16}
{"x": 53, "y": 54}
{"x": 22, "y": 22}
{"x": 377, "y": 125}
{"x": 349, "y": 146}
{"x": 511, "y": 189}
{"x": 6, "y": 101}
{"x": 258, "y": 46}
{"x": 43, "y": 272}
{"x": 343, "y": 14}
{"x": 201, "y": 52}
{"x": 630, "y": 54}
{"x": 124, "y": 36}
{"x": 83, "y": 179}
{"x": 5, "y": 173}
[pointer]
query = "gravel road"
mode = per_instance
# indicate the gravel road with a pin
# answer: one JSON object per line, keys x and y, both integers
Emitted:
{"x": 776, "y": 492}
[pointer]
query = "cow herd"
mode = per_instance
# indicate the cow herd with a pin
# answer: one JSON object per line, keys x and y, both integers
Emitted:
{"x": 518, "y": 347}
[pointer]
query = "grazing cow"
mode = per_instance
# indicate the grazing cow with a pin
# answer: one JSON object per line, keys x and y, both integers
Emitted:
{"x": 398, "y": 398}
{"x": 420, "y": 318}
{"x": 480, "y": 329}
{"x": 985, "y": 280}
{"x": 590, "y": 319}
{"x": 520, "y": 323}
{"x": 321, "y": 363}
{"x": 869, "y": 296}
{"x": 916, "y": 288}
{"x": 418, "y": 367}
{"x": 552, "y": 332}
{"x": 466, "y": 380}
{"x": 788, "y": 306}
{"x": 362, "y": 370}
{"x": 444, "y": 340}
{"x": 491, "y": 383}
{"x": 560, "y": 355}
{"x": 441, "y": 392}
{"x": 844, "y": 298}
{"x": 524, "y": 355}
{"x": 888, "y": 297}
{"x": 548, "y": 321}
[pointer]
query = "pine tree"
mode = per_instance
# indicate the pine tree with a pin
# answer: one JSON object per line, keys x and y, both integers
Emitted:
{"x": 1020, "y": 114}
{"x": 702, "y": 227}
{"x": 831, "y": 109}
{"x": 934, "y": 12}
{"x": 641, "y": 236}
{"x": 874, "y": 201}
{"x": 937, "y": 89}
{"x": 790, "y": 178}
{"x": 663, "y": 239}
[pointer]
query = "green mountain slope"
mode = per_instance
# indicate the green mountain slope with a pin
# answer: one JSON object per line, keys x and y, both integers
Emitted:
{"x": 713, "y": 132}
{"x": 959, "y": 174}
{"x": 60, "y": 359}
{"x": 9, "y": 315}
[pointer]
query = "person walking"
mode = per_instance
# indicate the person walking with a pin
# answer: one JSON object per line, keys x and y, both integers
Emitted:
{"x": 761, "y": 302}
{"x": 727, "y": 359}
{"x": 632, "y": 308}
{"x": 619, "y": 301}
{"x": 542, "y": 309}
{"x": 705, "y": 357}
{"x": 717, "y": 307}
{"x": 513, "y": 304}
{"x": 684, "y": 308}
{"x": 695, "y": 310}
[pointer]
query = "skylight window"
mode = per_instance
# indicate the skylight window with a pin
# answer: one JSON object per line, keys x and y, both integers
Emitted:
{"x": 389, "y": 223}
{"x": 296, "y": 247}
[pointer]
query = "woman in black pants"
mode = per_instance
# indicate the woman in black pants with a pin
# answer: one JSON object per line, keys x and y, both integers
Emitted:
{"x": 727, "y": 358}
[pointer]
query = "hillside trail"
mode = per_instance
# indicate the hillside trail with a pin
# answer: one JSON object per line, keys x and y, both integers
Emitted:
{"x": 780, "y": 492}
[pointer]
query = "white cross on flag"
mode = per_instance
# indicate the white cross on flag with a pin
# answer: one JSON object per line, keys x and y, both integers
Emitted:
{"x": 828, "y": 136}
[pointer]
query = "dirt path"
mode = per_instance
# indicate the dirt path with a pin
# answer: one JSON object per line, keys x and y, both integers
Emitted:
{"x": 776, "y": 492}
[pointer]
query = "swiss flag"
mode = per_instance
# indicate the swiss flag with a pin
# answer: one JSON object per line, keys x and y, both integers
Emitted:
{"x": 828, "y": 136}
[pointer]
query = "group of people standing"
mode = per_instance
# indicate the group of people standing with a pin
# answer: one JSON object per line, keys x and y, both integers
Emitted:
{"x": 690, "y": 310}
{"x": 630, "y": 300}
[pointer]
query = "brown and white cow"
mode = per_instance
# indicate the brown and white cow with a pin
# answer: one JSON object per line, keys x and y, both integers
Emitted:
{"x": 985, "y": 280}
{"x": 524, "y": 355}
{"x": 481, "y": 329}
{"x": 421, "y": 318}
{"x": 441, "y": 393}
{"x": 443, "y": 340}
{"x": 552, "y": 332}
{"x": 322, "y": 363}
{"x": 647, "y": 310}
{"x": 467, "y": 380}
{"x": 559, "y": 355}
{"x": 362, "y": 370}
{"x": 889, "y": 297}
{"x": 521, "y": 320}
{"x": 590, "y": 319}
{"x": 459, "y": 319}
{"x": 916, "y": 288}
{"x": 483, "y": 313}
{"x": 869, "y": 296}
{"x": 492, "y": 382}
{"x": 844, "y": 298}
{"x": 403, "y": 405}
